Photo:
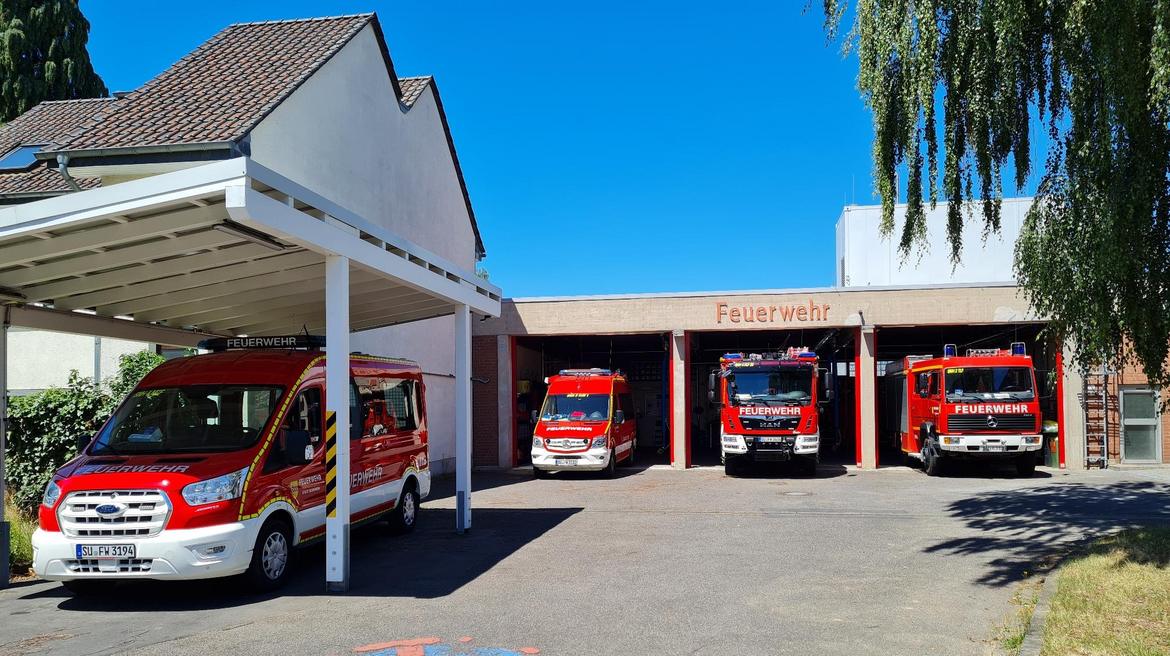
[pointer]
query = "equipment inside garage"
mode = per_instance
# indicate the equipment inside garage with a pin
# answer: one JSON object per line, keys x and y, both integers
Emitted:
{"x": 894, "y": 344}
{"x": 835, "y": 352}
{"x": 644, "y": 359}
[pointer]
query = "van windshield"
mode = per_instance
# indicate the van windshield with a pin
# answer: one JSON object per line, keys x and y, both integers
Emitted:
{"x": 576, "y": 407}
{"x": 192, "y": 418}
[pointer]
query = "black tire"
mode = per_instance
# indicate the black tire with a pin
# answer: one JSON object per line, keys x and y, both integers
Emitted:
{"x": 630, "y": 458}
{"x": 266, "y": 572}
{"x": 730, "y": 466}
{"x": 807, "y": 465}
{"x": 1026, "y": 465}
{"x": 611, "y": 466}
{"x": 89, "y": 587}
{"x": 537, "y": 472}
{"x": 405, "y": 514}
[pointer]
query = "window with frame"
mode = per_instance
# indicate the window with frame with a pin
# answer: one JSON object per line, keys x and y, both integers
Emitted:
{"x": 389, "y": 405}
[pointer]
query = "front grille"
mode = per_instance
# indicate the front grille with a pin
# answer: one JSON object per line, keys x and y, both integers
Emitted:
{"x": 567, "y": 443}
{"x": 770, "y": 423}
{"x": 980, "y": 423}
{"x": 95, "y": 566}
{"x": 143, "y": 514}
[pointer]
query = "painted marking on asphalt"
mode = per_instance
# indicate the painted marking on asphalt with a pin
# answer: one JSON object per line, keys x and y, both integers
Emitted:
{"x": 432, "y": 646}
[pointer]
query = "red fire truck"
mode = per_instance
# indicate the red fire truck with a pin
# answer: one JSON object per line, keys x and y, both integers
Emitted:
{"x": 980, "y": 406}
{"x": 586, "y": 423}
{"x": 215, "y": 466}
{"x": 769, "y": 408}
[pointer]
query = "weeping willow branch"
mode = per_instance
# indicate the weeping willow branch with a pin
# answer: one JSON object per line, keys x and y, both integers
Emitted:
{"x": 1094, "y": 254}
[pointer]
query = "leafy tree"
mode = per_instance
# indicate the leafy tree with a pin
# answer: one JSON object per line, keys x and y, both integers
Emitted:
{"x": 44, "y": 427}
{"x": 969, "y": 75}
{"x": 43, "y": 55}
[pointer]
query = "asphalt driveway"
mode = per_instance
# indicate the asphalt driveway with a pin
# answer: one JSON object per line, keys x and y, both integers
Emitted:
{"x": 655, "y": 562}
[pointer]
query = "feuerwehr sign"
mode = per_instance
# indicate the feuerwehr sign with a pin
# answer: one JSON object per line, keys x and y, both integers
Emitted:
{"x": 799, "y": 312}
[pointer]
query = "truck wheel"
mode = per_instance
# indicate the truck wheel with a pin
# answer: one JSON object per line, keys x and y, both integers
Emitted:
{"x": 405, "y": 514}
{"x": 537, "y": 472}
{"x": 730, "y": 466}
{"x": 611, "y": 467}
{"x": 89, "y": 587}
{"x": 270, "y": 557}
{"x": 630, "y": 458}
{"x": 808, "y": 465}
{"x": 1026, "y": 465}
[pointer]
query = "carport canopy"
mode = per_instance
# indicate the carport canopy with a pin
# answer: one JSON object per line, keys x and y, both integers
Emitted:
{"x": 231, "y": 249}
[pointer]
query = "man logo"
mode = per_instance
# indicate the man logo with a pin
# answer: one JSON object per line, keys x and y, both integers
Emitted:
{"x": 992, "y": 422}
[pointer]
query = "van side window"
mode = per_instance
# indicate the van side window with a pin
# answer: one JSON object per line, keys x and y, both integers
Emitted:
{"x": 389, "y": 405}
{"x": 303, "y": 414}
{"x": 626, "y": 405}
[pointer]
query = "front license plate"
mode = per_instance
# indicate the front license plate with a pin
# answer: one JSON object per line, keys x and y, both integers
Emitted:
{"x": 563, "y": 461}
{"x": 771, "y": 439}
{"x": 99, "y": 551}
{"x": 994, "y": 447}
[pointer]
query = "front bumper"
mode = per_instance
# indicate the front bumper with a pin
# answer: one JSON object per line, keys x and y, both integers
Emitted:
{"x": 769, "y": 448}
{"x": 595, "y": 459}
{"x": 992, "y": 446}
{"x": 168, "y": 555}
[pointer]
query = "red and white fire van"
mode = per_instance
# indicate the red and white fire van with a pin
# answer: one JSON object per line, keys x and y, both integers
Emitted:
{"x": 769, "y": 408}
{"x": 586, "y": 423}
{"x": 980, "y": 406}
{"x": 215, "y": 466}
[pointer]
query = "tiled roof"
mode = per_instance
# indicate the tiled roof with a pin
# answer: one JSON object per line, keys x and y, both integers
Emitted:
{"x": 44, "y": 124}
{"x": 412, "y": 88}
{"x": 224, "y": 87}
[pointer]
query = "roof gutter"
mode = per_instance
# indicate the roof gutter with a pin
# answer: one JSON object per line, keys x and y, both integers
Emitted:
{"x": 137, "y": 150}
{"x": 63, "y": 169}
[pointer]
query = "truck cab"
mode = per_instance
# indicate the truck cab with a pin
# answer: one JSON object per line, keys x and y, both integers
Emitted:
{"x": 216, "y": 465}
{"x": 980, "y": 406}
{"x": 585, "y": 423}
{"x": 769, "y": 408}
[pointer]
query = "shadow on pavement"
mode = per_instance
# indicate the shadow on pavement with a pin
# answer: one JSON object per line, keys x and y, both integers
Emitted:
{"x": 438, "y": 562}
{"x": 1033, "y": 527}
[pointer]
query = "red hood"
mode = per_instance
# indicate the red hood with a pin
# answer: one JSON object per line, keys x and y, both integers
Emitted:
{"x": 570, "y": 429}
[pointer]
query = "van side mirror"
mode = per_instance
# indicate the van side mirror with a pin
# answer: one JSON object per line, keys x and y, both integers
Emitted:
{"x": 535, "y": 416}
{"x": 619, "y": 417}
{"x": 712, "y": 388}
{"x": 83, "y": 442}
{"x": 297, "y": 448}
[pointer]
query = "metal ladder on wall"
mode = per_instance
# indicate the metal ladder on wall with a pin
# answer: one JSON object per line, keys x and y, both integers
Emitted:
{"x": 1095, "y": 406}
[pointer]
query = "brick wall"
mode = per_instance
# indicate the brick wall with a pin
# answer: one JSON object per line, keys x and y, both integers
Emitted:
{"x": 485, "y": 407}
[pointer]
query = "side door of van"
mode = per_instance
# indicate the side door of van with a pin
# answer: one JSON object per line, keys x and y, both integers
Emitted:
{"x": 305, "y": 485}
{"x": 389, "y": 405}
{"x": 624, "y": 433}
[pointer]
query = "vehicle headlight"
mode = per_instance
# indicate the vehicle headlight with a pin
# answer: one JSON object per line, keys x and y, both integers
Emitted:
{"x": 220, "y": 488}
{"x": 537, "y": 443}
{"x": 52, "y": 493}
{"x": 599, "y": 442}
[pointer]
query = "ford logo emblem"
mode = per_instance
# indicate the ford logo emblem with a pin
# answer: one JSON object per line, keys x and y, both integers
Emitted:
{"x": 110, "y": 509}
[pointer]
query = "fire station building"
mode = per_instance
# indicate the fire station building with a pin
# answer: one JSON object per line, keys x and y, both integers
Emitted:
{"x": 878, "y": 311}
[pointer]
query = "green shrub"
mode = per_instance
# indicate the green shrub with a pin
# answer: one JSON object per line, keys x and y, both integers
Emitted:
{"x": 44, "y": 427}
{"x": 20, "y": 538}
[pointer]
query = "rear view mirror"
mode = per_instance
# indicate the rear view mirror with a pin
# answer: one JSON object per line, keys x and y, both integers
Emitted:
{"x": 535, "y": 416}
{"x": 619, "y": 417}
{"x": 827, "y": 382}
{"x": 712, "y": 387}
{"x": 297, "y": 448}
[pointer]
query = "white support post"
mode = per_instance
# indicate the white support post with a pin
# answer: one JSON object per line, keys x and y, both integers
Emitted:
{"x": 462, "y": 419}
{"x": 4, "y": 528}
{"x": 337, "y": 474}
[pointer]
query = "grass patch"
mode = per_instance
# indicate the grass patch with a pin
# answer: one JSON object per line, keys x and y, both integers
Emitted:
{"x": 1114, "y": 599}
{"x": 1010, "y": 635}
{"x": 20, "y": 538}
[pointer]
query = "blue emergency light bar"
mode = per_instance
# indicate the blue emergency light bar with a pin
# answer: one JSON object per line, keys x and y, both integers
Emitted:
{"x": 586, "y": 372}
{"x": 1018, "y": 348}
{"x": 950, "y": 350}
{"x": 733, "y": 356}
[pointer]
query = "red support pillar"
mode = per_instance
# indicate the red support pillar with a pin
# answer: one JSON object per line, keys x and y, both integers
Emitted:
{"x": 1060, "y": 418}
{"x": 857, "y": 393}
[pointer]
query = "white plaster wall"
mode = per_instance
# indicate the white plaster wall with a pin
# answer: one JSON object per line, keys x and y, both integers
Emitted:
{"x": 39, "y": 359}
{"x": 431, "y": 343}
{"x": 871, "y": 259}
{"x": 343, "y": 135}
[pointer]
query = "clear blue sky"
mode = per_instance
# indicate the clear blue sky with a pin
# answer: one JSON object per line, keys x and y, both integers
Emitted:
{"x": 671, "y": 146}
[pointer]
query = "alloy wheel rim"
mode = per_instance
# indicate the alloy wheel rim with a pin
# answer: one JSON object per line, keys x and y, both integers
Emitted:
{"x": 408, "y": 509}
{"x": 275, "y": 555}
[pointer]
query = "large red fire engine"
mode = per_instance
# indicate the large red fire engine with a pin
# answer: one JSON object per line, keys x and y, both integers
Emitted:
{"x": 585, "y": 424}
{"x": 215, "y": 466}
{"x": 980, "y": 406}
{"x": 769, "y": 408}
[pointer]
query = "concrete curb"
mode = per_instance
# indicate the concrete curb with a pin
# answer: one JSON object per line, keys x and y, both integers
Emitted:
{"x": 1034, "y": 636}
